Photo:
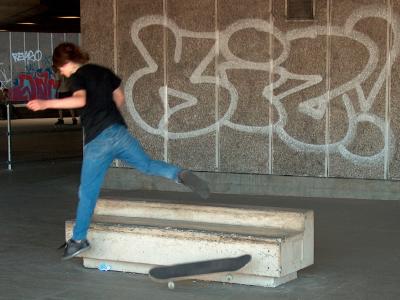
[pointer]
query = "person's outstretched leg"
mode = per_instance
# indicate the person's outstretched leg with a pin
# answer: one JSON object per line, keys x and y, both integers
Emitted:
{"x": 97, "y": 157}
{"x": 130, "y": 150}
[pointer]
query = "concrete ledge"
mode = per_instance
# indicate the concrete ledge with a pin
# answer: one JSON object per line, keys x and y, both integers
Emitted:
{"x": 281, "y": 241}
{"x": 238, "y": 278}
{"x": 250, "y": 184}
{"x": 254, "y": 216}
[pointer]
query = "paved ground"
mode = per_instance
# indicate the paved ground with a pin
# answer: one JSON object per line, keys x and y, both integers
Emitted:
{"x": 357, "y": 246}
{"x": 39, "y": 139}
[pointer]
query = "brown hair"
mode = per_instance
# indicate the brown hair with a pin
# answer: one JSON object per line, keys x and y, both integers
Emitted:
{"x": 68, "y": 52}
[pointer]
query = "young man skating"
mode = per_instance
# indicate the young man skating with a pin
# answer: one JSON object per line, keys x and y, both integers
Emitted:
{"x": 96, "y": 91}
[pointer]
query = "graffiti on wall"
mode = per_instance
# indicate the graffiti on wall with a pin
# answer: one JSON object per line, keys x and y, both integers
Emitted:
{"x": 274, "y": 93}
{"x": 27, "y": 56}
{"x": 34, "y": 82}
{"x": 5, "y": 78}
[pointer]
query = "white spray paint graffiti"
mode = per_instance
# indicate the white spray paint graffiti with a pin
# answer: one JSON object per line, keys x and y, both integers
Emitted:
{"x": 314, "y": 108}
{"x": 4, "y": 78}
{"x": 27, "y": 56}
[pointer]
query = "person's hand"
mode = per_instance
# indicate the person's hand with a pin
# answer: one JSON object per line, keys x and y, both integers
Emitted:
{"x": 36, "y": 105}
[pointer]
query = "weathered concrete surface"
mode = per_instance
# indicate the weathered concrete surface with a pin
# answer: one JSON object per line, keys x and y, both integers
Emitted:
{"x": 273, "y": 259}
{"x": 394, "y": 109}
{"x": 228, "y": 86}
{"x": 280, "y": 241}
{"x": 227, "y": 183}
{"x": 272, "y": 217}
{"x": 154, "y": 40}
{"x": 37, "y": 198}
{"x": 98, "y": 17}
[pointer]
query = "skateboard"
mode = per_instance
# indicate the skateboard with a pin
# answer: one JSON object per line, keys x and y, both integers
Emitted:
{"x": 186, "y": 270}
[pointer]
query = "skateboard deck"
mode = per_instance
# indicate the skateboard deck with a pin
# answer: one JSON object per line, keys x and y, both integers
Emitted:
{"x": 186, "y": 270}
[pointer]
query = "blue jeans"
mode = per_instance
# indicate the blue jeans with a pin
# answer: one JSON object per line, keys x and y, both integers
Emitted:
{"x": 113, "y": 142}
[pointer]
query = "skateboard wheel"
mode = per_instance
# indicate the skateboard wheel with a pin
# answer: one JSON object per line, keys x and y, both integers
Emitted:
{"x": 171, "y": 285}
{"x": 229, "y": 277}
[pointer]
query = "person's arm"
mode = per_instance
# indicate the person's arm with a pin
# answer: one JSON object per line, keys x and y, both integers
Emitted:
{"x": 118, "y": 97}
{"x": 77, "y": 100}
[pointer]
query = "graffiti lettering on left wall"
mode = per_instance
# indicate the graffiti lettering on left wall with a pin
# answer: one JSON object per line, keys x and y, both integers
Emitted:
{"x": 27, "y": 56}
{"x": 5, "y": 79}
{"x": 39, "y": 83}
{"x": 34, "y": 82}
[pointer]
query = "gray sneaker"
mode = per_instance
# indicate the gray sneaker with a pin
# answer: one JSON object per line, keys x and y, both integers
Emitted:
{"x": 196, "y": 184}
{"x": 73, "y": 248}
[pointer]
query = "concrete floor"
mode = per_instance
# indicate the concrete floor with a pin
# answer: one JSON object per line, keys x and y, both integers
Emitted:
{"x": 39, "y": 139}
{"x": 357, "y": 246}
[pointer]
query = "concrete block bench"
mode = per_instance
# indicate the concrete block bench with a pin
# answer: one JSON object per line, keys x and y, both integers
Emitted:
{"x": 134, "y": 236}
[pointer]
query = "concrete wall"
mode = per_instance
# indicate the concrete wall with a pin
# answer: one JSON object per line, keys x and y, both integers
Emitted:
{"x": 232, "y": 86}
{"x": 25, "y": 63}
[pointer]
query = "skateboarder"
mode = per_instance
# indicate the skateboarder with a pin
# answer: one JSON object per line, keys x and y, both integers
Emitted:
{"x": 96, "y": 90}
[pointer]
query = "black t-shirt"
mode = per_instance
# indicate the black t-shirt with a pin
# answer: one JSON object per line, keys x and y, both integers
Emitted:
{"x": 100, "y": 110}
